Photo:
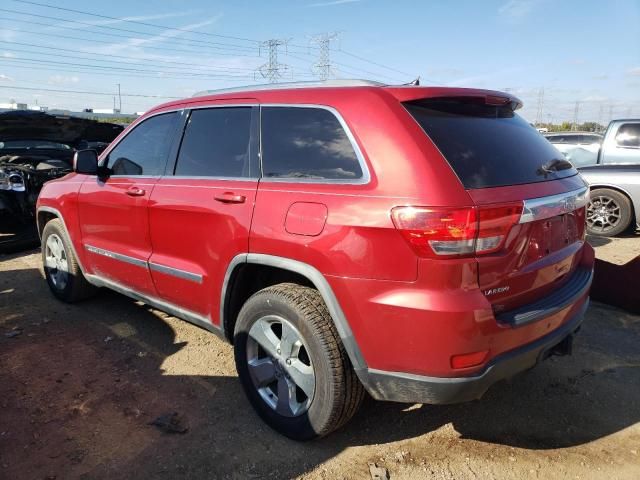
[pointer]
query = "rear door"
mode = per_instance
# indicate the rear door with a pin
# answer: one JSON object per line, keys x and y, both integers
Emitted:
{"x": 200, "y": 213}
{"x": 501, "y": 160}
{"x": 113, "y": 211}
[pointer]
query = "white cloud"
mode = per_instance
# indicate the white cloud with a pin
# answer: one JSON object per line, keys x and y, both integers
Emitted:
{"x": 7, "y": 55}
{"x": 634, "y": 72}
{"x": 516, "y": 10}
{"x": 333, "y": 2}
{"x": 5, "y": 78}
{"x": 62, "y": 79}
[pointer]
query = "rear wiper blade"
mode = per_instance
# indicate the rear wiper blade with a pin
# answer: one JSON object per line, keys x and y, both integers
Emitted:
{"x": 554, "y": 165}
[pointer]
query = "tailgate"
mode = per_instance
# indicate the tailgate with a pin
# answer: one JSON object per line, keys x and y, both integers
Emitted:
{"x": 543, "y": 251}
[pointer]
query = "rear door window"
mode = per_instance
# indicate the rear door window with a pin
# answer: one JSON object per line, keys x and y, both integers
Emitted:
{"x": 488, "y": 145}
{"x": 628, "y": 135}
{"x": 217, "y": 143}
{"x": 306, "y": 143}
{"x": 144, "y": 151}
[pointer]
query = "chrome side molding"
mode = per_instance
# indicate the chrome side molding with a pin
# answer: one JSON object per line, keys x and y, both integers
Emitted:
{"x": 116, "y": 256}
{"x": 553, "y": 205}
{"x": 175, "y": 272}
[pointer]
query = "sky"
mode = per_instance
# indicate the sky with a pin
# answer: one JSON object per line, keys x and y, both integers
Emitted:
{"x": 557, "y": 56}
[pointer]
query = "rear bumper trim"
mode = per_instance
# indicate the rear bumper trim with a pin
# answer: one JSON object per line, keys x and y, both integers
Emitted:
{"x": 410, "y": 388}
{"x": 553, "y": 205}
{"x": 572, "y": 290}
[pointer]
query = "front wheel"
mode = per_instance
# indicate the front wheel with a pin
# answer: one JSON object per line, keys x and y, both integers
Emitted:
{"x": 61, "y": 267}
{"x": 608, "y": 213}
{"x": 292, "y": 364}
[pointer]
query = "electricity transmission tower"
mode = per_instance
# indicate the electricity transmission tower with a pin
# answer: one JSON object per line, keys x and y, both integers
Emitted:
{"x": 272, "y": 70}
{"x": 576, "y": 111}
{"x": 323, "y": 68}
{"x": 540, "y": 106}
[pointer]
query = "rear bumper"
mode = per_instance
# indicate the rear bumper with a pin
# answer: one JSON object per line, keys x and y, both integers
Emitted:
{"x": 410, "y": 388}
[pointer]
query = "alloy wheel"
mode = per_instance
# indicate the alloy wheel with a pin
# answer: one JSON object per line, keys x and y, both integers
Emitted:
{"x": 279, "y": 365}
{"x": 603, "y": 214}
{"x": 56, "y": 261}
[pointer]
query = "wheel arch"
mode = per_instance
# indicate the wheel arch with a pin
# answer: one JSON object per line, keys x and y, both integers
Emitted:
{"x": 291, "y": 270}
{"x": 44, "y": 215}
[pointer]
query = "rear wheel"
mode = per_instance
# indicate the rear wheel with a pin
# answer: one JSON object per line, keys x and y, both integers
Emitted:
{"x": 292, "y": 364}
{"x": 61, "y": 268}
{"x": 608, "y": 213}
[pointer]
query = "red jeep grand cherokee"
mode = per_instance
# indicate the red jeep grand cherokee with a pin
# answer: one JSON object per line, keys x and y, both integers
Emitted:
{"x": 415, "y": 243}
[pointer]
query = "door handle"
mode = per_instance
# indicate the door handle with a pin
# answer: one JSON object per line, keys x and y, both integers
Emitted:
{"x": 230, "y": 197}
{"x": 135, "y": 192}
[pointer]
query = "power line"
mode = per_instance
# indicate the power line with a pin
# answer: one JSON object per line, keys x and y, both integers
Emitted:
{"x": 94, "y": 40}
{"x": 135, "y": 59}
{"x": 146, "y": 24}
{"x": 134, "y": 72}
{"x": 85, "y": 92}
{"x": 376, "y": 63}
{"x": 138, "y": 32}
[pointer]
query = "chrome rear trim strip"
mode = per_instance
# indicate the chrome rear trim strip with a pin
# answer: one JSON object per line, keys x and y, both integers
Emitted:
{"x": 176, "y": 272}
{"x": 553, "y": 205}
{"x": 116, "y": 256}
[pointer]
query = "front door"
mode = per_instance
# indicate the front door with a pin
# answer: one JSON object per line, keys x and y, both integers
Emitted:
{"x": 200, "y": 216}
{"x": 113, "y": 213}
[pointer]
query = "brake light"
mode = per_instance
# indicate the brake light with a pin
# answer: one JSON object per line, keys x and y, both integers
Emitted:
{"x": 455, "y": 232}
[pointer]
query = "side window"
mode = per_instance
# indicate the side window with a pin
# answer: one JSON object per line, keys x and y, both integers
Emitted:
{"x": 145, "y": 149}
{"x": 217, "y": 143}
{"x": 628, "y": 135}
{"x": 308, "y": 143}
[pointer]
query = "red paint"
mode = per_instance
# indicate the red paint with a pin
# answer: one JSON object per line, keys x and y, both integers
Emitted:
{"x": 408, "y": 312}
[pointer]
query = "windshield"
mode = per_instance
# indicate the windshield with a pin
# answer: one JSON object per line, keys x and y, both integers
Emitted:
{"x": 33, "y": 144}
{"x": 488, "y": 145}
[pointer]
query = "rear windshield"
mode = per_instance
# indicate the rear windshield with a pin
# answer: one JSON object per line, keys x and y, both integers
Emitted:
{"x": 488, "y": 145}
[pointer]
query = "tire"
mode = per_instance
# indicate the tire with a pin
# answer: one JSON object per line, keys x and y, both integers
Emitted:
{"x": 609, "y": 213}
{"x": 60, "y": 266}
{"x": 331, "y": 392}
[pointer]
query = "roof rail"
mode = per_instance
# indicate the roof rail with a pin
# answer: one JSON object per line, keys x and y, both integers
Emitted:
{"x": 285, "y": 85}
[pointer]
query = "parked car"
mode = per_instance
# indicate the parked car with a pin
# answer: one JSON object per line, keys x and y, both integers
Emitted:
{"x": 418, "y": 244}
{"x": 611, "y": 165}
{"x": 580, "y": 148}
{"x": 36, "y": 147}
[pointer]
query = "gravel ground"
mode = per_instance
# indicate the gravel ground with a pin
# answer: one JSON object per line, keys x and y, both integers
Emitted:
{"x": 80, "y": 385}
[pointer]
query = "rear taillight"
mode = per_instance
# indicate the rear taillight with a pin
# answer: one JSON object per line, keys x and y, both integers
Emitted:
{"x": 455, "y": 232}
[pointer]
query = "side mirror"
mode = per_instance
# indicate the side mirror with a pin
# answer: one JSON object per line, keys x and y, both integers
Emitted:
{"x": 86, "y": 162}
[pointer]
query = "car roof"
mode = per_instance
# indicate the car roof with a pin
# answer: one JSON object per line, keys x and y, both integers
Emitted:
{"x": 555, "y": 134}
{"x": 321, "y": 92}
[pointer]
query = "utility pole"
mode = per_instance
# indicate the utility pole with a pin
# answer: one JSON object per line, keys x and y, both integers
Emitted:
{"x": 599, "y": 124}
{"x": 540, "y": 106}
{"x": 576, "y": 111}
{"x": 323, "y": 67}
{"x": 119, "y": 100}
{"x": 272, "y": 70}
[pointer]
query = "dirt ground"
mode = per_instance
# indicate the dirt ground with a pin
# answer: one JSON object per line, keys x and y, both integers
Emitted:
{"x": 79, "y": 385}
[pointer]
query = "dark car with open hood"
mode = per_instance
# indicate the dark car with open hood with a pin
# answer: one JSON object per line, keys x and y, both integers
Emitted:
{"x": 36, "y": 147}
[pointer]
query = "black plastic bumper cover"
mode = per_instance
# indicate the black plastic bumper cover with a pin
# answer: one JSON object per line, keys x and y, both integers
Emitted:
{"x": 409, "y": 388}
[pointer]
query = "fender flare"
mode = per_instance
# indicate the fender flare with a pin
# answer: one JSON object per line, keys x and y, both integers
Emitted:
{"x": 319, "y": 282}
